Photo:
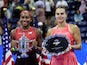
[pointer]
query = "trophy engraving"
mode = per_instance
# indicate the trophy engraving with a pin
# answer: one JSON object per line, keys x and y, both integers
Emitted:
{"x": 56, "y": 42}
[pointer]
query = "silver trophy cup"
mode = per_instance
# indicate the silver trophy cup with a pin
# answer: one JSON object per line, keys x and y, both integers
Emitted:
{"x": 23, "y": 46}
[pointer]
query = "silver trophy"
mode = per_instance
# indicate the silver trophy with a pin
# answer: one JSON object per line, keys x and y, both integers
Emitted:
{"x": 23, "y": 46}
{"x": 57, "y": 44}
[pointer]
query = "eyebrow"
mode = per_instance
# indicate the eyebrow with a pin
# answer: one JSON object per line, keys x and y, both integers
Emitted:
{"x": 59, "y": 13}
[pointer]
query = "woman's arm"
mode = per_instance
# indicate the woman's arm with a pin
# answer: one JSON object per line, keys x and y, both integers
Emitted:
{"x": 1, "y": 31}
{"x": 38, "y": 42}
{"x": 13, "y": 42}
{"x": 77, "y": 37}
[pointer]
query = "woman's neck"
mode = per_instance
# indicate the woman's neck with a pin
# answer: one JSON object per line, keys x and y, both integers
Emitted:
{"x": 60, "y": 25}
{"x": 25, "y": 27}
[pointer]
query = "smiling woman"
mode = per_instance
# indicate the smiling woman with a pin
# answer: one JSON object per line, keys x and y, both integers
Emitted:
{"x": 25, "y": 18}
{"x": 21, "y": 40}
{"x": 72, "y": 32}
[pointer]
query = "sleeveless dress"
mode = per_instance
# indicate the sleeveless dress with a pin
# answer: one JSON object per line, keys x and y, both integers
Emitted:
{"x": 68, "y": 58}
{"x": 31, "y": 35}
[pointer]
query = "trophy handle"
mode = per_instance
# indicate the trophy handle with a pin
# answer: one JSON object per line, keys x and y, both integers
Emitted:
{"x": 26, "y": 46}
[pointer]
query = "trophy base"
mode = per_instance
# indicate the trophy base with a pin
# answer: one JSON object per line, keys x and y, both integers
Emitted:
{"x": 24, "y": 55}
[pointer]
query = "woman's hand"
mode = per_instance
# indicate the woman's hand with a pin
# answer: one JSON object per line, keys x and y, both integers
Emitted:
{"x": 34, "y": 43}
{"x": 13, "y": 43}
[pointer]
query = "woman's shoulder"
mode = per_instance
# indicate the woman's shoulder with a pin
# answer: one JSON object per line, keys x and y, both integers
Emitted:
{"x": 37, "y": 30}
{"x": 73, "y": 27}
{"x": 13, "y": 31}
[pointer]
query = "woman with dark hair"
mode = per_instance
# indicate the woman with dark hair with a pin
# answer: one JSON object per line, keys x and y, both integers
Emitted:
{"x": 69, "y": 31}
{"x": 27, "y": 40}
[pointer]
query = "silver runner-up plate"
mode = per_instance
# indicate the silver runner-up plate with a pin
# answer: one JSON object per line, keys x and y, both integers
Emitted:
{"x": 57, "y": 44}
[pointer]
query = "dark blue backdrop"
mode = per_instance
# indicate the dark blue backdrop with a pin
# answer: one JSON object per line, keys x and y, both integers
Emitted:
{"x": 81, "y": 54}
